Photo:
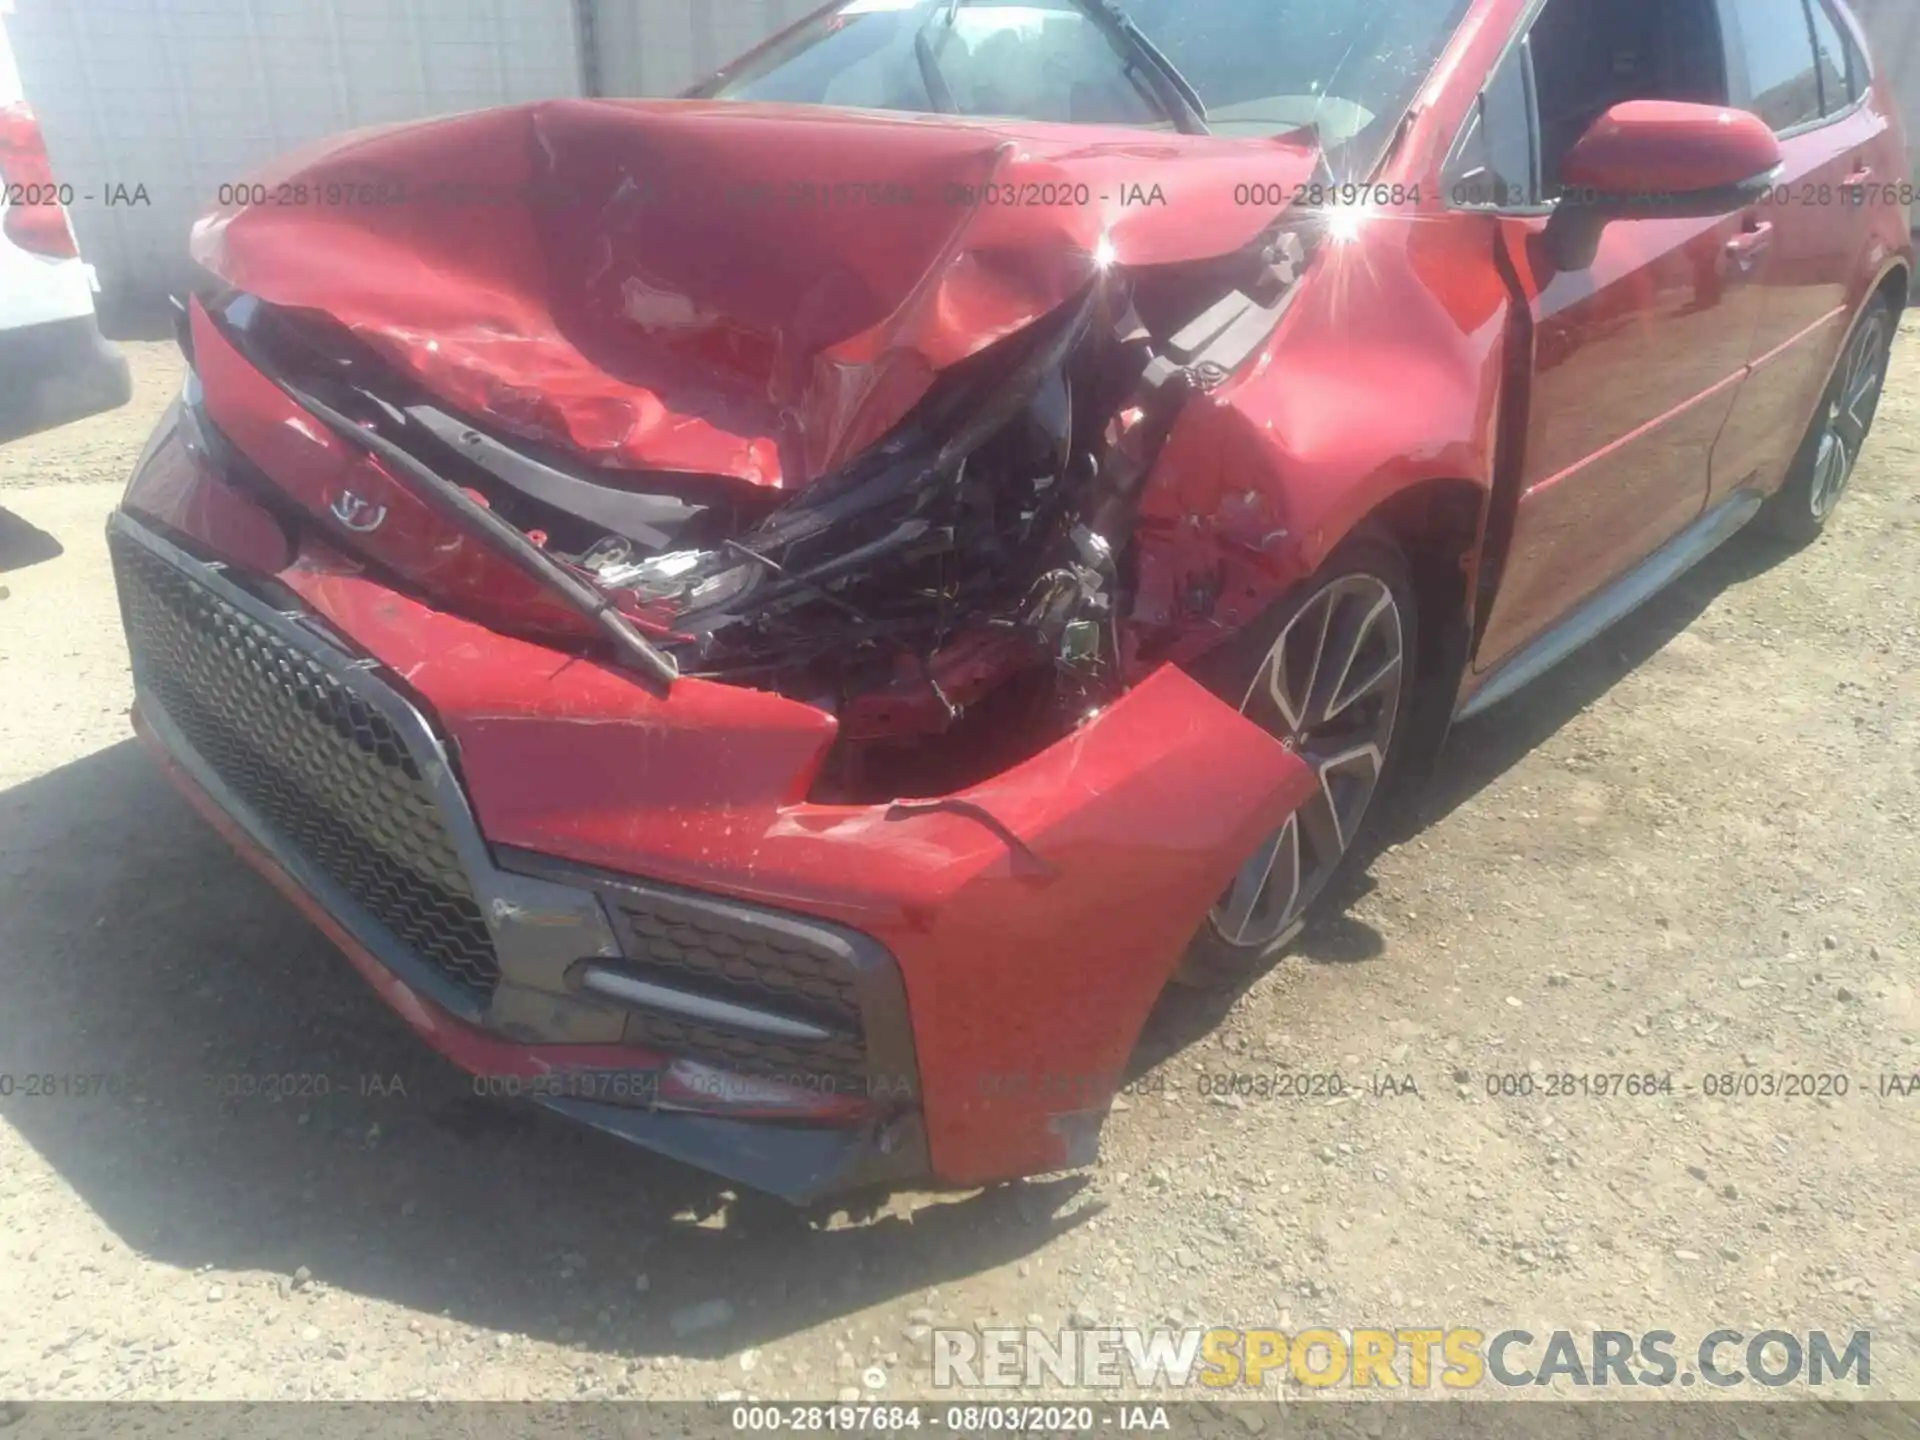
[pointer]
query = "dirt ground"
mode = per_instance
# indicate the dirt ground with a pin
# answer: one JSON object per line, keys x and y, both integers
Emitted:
{"x": 1690, "y": 850}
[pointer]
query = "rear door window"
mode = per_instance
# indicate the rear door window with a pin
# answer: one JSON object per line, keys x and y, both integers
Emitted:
{"x": 1775, "y": 39}
{"x": 1837, "y": 90}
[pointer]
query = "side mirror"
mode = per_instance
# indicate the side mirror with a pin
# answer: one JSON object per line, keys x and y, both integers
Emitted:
{"x": 1660, "y": 160}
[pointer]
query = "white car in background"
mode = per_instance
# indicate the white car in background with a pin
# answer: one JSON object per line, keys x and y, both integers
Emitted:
{"x": 55, "y": 365}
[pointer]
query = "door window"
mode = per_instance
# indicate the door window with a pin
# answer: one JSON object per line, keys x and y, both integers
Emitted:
{"x": 1837, "y": 90}
{"x": 1579, "y": 60}
{"x": 1590, "y": 55}
{"x": 1493, "y": 165}
{"x": 1776, "y": 44}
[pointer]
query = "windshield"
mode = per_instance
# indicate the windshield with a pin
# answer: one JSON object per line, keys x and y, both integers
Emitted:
{"x": 1347, "y": 68}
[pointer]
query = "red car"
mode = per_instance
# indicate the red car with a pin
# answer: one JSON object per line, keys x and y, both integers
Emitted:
{"x": 775, "y": 622}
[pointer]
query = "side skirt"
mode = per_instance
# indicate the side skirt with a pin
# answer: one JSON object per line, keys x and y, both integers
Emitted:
{"x": 1617, "y": 601}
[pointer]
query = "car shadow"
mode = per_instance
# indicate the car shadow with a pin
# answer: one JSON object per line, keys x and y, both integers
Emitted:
{"x": 23, "y": 543}
{"x": 1491, "y": 744}
{"x": 221, "y": 1088}
{"x": 1476, "y": 753}
{"x": 139, "y": 315}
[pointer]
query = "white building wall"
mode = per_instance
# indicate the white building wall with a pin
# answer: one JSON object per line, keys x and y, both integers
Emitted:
{"x": 183, "y": 96}
{"x": 660, "y": 47}
{"x": 1894, "y": 28}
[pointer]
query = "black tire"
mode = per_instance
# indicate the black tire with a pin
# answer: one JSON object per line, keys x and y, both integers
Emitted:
{"x": 1796, "y": 514}
{"x": 1365, "y": 567}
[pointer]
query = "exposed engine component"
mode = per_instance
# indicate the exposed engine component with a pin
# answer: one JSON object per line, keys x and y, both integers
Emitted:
{"x": 952, "y": 595}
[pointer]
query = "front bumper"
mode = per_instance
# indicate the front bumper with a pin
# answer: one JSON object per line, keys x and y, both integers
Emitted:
{"x": 999, "y": 949}
{"x": 338, "y": 788}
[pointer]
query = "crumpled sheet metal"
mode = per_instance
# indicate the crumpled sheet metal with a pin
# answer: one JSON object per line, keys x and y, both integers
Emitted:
{"x": 752, "y": 291}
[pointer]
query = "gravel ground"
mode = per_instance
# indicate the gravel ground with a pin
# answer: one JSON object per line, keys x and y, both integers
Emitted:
{"x": 1690, "y": 850}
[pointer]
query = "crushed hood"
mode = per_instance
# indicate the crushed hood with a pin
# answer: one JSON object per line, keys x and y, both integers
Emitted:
{"x": 731, "y": 289}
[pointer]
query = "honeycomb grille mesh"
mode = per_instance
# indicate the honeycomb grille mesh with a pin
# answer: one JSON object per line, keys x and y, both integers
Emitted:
{"x": 697, "y": 950}
{"x": 313, "y": 760}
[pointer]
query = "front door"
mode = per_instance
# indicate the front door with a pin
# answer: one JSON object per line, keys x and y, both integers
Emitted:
{"x": 1639, "y": 356}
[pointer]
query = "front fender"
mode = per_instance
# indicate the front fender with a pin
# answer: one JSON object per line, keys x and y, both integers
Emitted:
{"x": 1384, "y": 376}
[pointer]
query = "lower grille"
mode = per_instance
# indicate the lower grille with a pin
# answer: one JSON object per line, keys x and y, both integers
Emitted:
{"x": 309, "y": 757}
{"x": 836, "y": 1066}
{"x": 708, "y": 947}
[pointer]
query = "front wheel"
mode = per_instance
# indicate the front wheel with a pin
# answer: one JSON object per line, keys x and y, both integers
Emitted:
{"x": 1328, "y": 674}
{"x": 1824, "y": 466}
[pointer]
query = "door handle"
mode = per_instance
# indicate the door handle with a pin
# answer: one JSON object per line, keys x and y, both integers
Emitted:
{"x": 1860, "y": 176}
{"x": 1751, "y": 243}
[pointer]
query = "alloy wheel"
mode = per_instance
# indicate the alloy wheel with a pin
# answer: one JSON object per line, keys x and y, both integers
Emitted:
{"x": 1329, "y": 689}
{"x": 1850, "y": 410}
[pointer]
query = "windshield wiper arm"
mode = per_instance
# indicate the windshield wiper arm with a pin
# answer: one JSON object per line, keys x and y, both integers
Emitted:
{"x": 1109, "y": 14}
{"x": 938, "y": 91}
{"x": 945, "y": 14}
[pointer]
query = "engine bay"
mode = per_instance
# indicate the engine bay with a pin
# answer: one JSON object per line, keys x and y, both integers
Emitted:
{"x": 954, "y": 595}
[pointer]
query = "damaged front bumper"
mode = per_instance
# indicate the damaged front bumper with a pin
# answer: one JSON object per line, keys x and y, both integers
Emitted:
{"x": 337, "y": 787}
{"x": 804, "y": 998}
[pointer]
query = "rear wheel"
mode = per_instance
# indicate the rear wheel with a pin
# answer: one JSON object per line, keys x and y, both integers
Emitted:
{"x": 1328, "y": 675}
{"x": 1824, "y": 466}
